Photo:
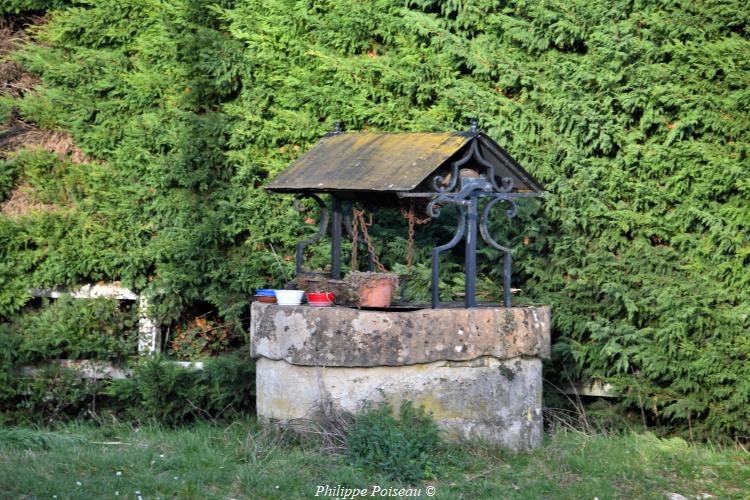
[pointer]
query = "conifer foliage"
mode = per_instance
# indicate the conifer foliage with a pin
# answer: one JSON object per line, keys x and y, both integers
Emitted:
{"x": 633, "y": 113}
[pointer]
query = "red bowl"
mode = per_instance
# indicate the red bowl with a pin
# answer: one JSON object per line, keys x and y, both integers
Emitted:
{"x": 317, "y": 299}
{"x": 265, "y": 298}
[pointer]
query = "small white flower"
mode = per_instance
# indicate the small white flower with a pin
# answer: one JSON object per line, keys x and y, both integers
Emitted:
{"x": 118, "y": 473}
{"x": 175, "y": 478}
{"x": 137, "y": 492}
{"x": 117, "y": 493}
{"x": 277, "y": 486}
{"x": 153, "y": 462}
{"x": 161, "y": 456}
{"x": 78, "y": 483}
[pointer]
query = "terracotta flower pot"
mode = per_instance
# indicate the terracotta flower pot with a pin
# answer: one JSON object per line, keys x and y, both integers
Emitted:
{"x": 318, "y": 299}
{"x": 377, "y": 292}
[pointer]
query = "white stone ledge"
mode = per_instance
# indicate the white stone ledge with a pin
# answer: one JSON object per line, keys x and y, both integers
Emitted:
{"x": 95, "y": 291}
{"x": 89, "y": 368}
{"x": 593, "y": 388}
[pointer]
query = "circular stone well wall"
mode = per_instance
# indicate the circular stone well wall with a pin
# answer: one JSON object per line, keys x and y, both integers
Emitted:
{"x": 478, "y": 371}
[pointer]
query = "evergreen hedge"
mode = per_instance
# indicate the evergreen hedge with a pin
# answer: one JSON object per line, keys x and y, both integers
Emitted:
{"x": 632, "y": 113}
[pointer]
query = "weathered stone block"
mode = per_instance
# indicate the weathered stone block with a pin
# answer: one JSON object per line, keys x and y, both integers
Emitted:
{"x": 500, "y": 401}
{"x": 479, "y": 371}
{"x": 342, "y": 336}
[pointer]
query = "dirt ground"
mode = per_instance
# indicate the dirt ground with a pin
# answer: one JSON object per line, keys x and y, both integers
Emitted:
{"x": 16, "y": 82}
{"x": 17, "y": 133}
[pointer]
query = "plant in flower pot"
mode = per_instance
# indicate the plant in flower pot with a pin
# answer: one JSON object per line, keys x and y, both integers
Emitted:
{"x": 373, "y": 289}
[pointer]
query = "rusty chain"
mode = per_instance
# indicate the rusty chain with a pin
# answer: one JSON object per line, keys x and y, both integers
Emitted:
{"x": 355, "y": 240}
{"x": 412, "y": 219}
{"x": 358, "y": 221}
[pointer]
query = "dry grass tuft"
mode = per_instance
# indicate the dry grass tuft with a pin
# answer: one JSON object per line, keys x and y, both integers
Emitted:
{"x": 22, "y": 200}
{"x": 14, "y": 80}
{"x": 328, "y": 427}
{"x": 572, "y": 419}
{"x": 22, "y": 135}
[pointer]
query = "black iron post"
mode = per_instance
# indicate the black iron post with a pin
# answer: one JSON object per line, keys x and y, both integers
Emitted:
{"x": 470, "y": 265}
{"x": 336, "y": 239}
{"x": 506, "y": 280}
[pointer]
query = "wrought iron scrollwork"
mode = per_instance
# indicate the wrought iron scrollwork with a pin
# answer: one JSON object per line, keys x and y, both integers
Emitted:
{"x": 436, "y": 251}
{"x": 508, "y": 253}
{"x": 506, "y": 182}
{"x": 466, "y": 191}
{"x": 510, "y": 212}
{"x": 437, "y": 182}
{"x": 433, "y": 207}
{"x": 484, "y": 221}
{"x": 322, "y": 228}
{"x": 507, "y": 185}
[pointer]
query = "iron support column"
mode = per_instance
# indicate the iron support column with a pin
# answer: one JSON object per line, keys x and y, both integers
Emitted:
{"x": 336, "y": 239}
{"x": 506, "y": 280}
{"x": 471, "y": 254}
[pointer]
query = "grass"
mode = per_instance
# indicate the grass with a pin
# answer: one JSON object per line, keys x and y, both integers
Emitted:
{"x": 243, "y": 460}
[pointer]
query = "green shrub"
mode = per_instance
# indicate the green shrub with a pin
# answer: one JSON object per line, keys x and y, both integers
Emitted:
{"x": 9, "y": 390}
{"x": 21, "y": 6}
{"x": 6, "y": 112}
{"x": 169, "y": 394}
{"x": 54, "y": 394}
{"x": 157, "y": 391}
{"x": 61, "y": 183}
{"x": 7, "y": 178}
{"x": 402, "y": 447}
{"x": 103, "y": 329}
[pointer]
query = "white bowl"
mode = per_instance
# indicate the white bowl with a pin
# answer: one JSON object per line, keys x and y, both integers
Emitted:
{"x": 289, "y": 297}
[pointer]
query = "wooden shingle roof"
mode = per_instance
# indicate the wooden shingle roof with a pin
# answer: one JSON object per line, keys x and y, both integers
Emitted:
{"x": 389, "y": 162}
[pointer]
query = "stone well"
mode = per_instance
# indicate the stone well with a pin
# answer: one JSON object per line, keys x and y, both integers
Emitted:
{"x": 478, "y": 370}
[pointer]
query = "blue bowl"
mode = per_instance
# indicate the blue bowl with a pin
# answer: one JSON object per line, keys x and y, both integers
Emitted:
{"x": 265, "y": 292}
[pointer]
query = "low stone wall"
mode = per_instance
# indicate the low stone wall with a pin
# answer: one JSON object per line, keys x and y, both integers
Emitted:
{"x": 479, "y": 371}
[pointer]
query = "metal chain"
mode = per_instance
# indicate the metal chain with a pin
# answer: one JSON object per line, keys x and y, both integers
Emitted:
{"x": 410, "y": 253}
{"x": 358, "y": 221}
{"x": 355, "y": 237}
{"x": 412, "y": 219}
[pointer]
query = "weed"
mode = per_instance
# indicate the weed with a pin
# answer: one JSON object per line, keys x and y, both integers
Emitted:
{"x": 400, "y": 448}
